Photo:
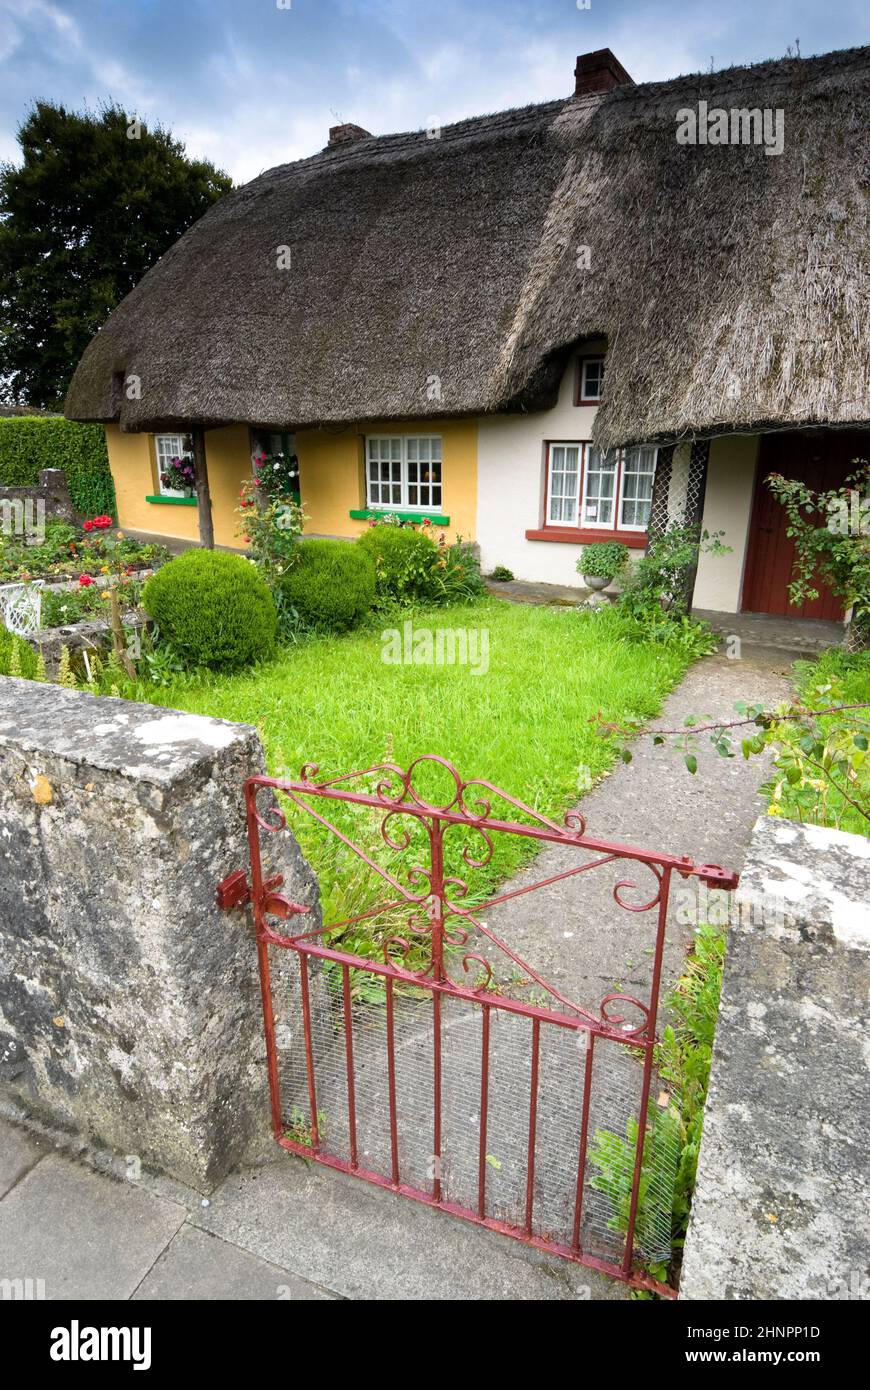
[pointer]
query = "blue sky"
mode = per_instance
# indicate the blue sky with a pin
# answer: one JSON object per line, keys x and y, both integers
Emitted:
{"x": 252, "y": 83}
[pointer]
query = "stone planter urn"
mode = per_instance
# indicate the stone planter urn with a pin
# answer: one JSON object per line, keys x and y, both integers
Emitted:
{"x": 595, "y": 582}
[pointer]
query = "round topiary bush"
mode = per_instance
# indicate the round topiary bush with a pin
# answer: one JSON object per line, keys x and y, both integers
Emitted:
{"x": 25, "y": 660}
{"x": 405, "y": 561}
{"x": 331, "y": 585}
{"x": 213, "y": 609}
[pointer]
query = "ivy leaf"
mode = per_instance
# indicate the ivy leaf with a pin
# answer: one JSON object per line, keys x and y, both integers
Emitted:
{"x": 860, "y": 741}
{"x": 692, "y": 763}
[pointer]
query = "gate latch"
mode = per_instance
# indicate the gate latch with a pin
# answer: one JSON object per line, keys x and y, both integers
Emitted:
{"x": 235, "y": 891}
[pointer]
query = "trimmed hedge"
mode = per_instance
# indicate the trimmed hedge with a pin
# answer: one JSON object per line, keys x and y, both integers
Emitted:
{"x": 29, "y": 443}
{"x": 331, "y": 585}
{"x": 213, "y": 609}
{"x": 404, "y": 560}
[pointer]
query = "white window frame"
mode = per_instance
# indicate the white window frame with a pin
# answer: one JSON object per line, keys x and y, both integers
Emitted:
{"x": 583, "y": 522}
{"x": 584, "y": 397}
{"x": 624, "y": 453}
{"x": 616, "y": 524}
{"x": 563, "y": 497}
{"x": 175, "y": 453}
{"x": 426, "y": 509}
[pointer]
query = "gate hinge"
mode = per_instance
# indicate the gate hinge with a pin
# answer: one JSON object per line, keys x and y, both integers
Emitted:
{"x": 235, "y": 891}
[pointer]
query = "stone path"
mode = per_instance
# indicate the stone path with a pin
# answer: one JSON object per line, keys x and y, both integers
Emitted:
{"x": 286, "y": 1230}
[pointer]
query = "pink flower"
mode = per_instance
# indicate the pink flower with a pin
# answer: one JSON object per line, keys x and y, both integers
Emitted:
{"x": 85, "y": 580}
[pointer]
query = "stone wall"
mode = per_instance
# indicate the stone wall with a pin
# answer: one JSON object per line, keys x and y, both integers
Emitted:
{"x": 781, "y": 1203}
{"x": 129, "y": 1004}
{"x": 22, "y": 503}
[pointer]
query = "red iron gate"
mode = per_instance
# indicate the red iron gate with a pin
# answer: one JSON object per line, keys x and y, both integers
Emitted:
{"x": 493, "y": 1096}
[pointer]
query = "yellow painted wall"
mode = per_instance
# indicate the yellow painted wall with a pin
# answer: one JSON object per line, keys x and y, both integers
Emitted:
{"x": 131, "y": 458}
{"x": 331, "y": 472}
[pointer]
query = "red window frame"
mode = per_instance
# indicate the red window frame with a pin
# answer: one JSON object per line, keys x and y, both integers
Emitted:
{"x": 576, "y": 534}
{"x": 579, "y": 398}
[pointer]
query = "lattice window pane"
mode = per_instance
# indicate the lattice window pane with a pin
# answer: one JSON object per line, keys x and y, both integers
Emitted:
{"x": 563, "y": 483}
{"x": 600, "y": 489}
{"x": 637, "y": 486}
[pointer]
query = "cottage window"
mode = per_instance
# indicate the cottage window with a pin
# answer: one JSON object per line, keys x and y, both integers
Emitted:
{"x": 599, "y": 493}
{"x": 599, "y": 488}
{"x": 166, "y": 448}
{"x": 404, "y": 471}
{"x": 564, "y": 477}
{"x": 638, "y": 472}
{"x": 590, "y": 379}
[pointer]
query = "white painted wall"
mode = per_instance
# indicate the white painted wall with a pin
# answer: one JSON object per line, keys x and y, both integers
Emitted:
{"x": 727, "y": 507}
{"x": 510, "y": 487}
{"x": 511, "y": 461}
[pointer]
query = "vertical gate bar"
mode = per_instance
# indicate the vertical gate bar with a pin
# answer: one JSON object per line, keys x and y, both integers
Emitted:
{"x": 436, "y": 888}
{"x": 263, "y": 958}
{"x": 436, "y": 1086}
{"x": 584, "y": 1137}
{"x": 647, "y": 1067}
{"x": 309, "y": 1050}
{"x": 391, "y": 1076}
{"x": 351, "y": 1084}
{"x": 484, "y": 1113}
{"x": 269, "y": 1029}
{"x": 533, "y": 1123}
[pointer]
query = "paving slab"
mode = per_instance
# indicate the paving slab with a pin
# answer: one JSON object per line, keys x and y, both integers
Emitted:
{"x": 84, "y": 1235}
{"x": 199, "y": 1266}
{"x": 364, "y": 1243}
{"x": 19, "y": 1151}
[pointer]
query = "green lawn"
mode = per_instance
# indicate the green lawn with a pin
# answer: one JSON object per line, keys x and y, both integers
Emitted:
{"x": 524, "y": 725}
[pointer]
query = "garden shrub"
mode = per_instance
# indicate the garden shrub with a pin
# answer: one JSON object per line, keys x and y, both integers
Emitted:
{"x": 603, "y": 560}
{"x": 213, "y": 609}
{"x": 331, "y": 586}
{"x": 16, "y": 653}
{"x": 405, "y": 562}
{"x": 29, "y": 443}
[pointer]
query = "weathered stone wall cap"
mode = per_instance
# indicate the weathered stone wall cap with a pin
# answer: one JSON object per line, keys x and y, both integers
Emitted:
{"x": 809, "y": 875}
{"x": 109, "y": 734}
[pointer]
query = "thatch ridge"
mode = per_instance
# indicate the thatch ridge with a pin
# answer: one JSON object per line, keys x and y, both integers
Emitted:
{"x": 732, "y": 286}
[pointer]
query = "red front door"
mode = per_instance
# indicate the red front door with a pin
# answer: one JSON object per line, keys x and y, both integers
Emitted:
{"x": 822, "y": 459}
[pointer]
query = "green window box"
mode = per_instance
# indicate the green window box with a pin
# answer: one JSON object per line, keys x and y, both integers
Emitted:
{"x": 173, "y": 501}
{"x": 372, "y": 514}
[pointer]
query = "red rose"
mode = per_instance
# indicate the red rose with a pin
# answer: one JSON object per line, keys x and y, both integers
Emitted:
{"x": 89, "y": 526}
{"x": 85, "y": 580}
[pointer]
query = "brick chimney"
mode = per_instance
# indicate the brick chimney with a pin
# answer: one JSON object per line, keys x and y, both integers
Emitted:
{"x": 599, "y": 72}
{"x": 346, "y": 135}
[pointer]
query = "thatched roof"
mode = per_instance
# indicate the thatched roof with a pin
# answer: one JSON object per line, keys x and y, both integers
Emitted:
{"x": 732, "y": 285}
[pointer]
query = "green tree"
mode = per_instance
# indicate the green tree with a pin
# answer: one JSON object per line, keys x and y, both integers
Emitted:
{"x": 95, "y": 201}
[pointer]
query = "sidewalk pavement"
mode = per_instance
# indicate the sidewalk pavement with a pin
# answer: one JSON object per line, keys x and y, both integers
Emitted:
{"x": 286, "y": 1230}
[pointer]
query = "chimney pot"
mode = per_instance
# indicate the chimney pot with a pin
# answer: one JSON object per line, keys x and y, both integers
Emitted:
{"x": 347, "y": 134}
{"x": 600, "y": 71}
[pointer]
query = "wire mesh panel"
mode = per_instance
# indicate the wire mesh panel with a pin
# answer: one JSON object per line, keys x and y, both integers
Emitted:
{"x": 443, "y": 1066}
